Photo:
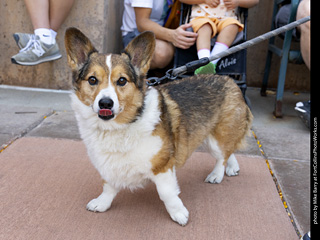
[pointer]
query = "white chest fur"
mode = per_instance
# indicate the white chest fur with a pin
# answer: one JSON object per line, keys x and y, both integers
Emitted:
{"x": 121, "y": 154}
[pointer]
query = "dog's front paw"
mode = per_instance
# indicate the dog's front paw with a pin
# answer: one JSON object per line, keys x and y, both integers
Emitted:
{"x": 216, "y": 175}
{"x": 232, "y": 166}
{"x": 180, "y": 216}
{"x": 98, "y": 205}
{"x": 232, "y": 170}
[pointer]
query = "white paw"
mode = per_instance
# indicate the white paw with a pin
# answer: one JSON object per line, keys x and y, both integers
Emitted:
{"x": 232, "y": 166}
{"x": 232, "y": 170}
{"x": 180, "y": 216}
{"x": 216, "y": 175}
{"x": 98, "y": 205}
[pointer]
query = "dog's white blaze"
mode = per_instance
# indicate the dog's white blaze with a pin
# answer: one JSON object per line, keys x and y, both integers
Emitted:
{"x": 109, "y": 92}
{"x": 109, "y": 65}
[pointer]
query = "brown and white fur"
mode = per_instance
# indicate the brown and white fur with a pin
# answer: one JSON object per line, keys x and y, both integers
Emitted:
{"x": 143, "y": 133}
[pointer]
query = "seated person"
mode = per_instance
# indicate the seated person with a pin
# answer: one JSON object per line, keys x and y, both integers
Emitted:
{"x": 211, "y": 17}
{"x": 148, "y": 15}
{"x": 304, "y": 29}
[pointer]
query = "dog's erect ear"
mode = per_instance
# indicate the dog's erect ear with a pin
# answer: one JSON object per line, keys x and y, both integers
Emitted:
{"x": 140, "y": 50}
{"x": 78, "y": 48}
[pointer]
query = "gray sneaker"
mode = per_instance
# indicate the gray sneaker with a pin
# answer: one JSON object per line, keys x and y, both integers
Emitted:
{"x": 36, "y": 52}
{"x": 22, "y": 39}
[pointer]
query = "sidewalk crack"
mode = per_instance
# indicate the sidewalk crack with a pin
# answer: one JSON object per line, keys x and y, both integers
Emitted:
{"x": 284, "y": 202}
{"x": 25, "y": 131}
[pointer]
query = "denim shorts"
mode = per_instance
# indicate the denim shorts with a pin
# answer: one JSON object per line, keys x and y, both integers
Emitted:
{"x": 282, "y": 18}
{"x": 129, "y": 36}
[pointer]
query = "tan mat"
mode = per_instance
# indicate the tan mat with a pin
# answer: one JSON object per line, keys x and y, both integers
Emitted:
{"x": 45, "y": 185}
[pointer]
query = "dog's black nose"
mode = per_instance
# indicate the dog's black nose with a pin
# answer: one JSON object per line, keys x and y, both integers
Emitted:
{"x": 106, "y": 103}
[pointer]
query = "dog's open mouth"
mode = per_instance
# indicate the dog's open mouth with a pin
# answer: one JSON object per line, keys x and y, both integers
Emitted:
{"x": 105, "y": 114}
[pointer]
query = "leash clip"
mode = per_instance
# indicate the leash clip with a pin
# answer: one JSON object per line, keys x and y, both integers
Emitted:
{"x": 168, "y": 77}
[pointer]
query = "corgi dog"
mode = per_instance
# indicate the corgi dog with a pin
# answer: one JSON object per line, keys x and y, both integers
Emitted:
{"x": 135, "y": 134}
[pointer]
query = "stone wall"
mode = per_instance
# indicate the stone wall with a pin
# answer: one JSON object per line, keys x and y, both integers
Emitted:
{"x": 101, "y": 21}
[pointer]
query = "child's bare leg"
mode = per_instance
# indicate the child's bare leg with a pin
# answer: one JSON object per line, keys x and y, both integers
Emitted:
{"x": 224, "y": 40}
{"x": 228, "y": 34}
{"x": 204, "y": 37}
{"x": 203, "y": 48}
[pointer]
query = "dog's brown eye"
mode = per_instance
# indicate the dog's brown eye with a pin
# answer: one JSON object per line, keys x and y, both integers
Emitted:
{"x": 122, "y": 81}
{"x": 92, "y": 80}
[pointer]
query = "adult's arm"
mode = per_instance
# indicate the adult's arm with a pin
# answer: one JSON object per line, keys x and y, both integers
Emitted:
{"x": 232, "y": 4}
{"x": 178, "y": 37}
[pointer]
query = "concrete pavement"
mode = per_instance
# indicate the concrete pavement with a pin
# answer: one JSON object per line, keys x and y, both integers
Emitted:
{"x": 270, "y": 197}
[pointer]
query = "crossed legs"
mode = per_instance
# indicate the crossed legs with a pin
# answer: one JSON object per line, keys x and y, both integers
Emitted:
{"x": 48, "y": 13}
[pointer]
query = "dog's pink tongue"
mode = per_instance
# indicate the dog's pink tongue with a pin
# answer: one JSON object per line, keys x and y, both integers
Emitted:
{"x": 105, "y": 112}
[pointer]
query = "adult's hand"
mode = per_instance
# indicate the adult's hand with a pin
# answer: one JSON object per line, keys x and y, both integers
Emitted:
{"x": 231, "y": 4}
{"x": 182, "y": 38}
{"x": 212, "y": 3}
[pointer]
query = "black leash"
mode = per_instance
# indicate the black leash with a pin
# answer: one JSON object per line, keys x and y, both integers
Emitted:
{"x": 174, "y": 73}
{"x": 168, "y": 77}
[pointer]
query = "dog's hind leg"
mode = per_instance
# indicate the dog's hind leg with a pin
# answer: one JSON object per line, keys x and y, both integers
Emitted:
{"x": 213, "y": 148}
{"x": 103, "y": 202}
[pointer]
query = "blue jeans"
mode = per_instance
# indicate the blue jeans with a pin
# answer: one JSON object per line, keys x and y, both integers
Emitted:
{"x": 130, "y": 35}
